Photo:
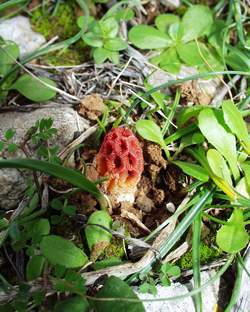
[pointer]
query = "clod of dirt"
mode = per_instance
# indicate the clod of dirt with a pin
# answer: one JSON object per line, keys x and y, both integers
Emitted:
{"x": 192, "y": 93}
{"x": 158, "y": 195}
{"x": 91, "y": 106}
{"x": 154, "y": 155}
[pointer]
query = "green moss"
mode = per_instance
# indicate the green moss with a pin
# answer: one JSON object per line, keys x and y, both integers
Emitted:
{"x": 62, "y": 24}
{"x": 207, "y": 254}
{"x": 114, "y": 249}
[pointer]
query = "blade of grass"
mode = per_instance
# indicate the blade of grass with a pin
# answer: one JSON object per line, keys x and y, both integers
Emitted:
{"x": 237, "y": 286}
{"x": 238, "y": 19}
{"x": 10, "y": 3}
{"x": 196, "y": 260}
{"x": 60, "y": 172}
{"x": 178, "y": 81}
{"x": 172, "y": 112}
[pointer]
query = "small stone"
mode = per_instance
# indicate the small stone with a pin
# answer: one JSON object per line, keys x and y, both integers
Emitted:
{"x": 12, "y": 181}
{"x": 171, "y": 4}
{"x": 18, "y": 29}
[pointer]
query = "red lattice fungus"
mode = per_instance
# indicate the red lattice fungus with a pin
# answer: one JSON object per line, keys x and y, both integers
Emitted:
{"x": 120, "y": 158}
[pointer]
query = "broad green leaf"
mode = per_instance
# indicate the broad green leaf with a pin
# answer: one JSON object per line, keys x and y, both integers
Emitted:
{"x": 124, "y": 14}
{"x": 109, "y": 27}
{"x": 74, "y": 304}
{"x": 216, "y": 135}
{"x": 100, "y": 55}
{"x": 33, "y": 89}
{"x": 242, "y": 188}
{"x": 192, "y": 139}
{"x": 63, "y": 252}
{"x": 148, "y": 37}
{"x": 115, "y": 44}
{"x": 34, "y": 267}
{"x": 193, "y": 170}
{"x": 218, "y": 165}
{"x": 196, "y": 22}
{"x": 150, "y": 131}
{"x": 168, "y": 60}
{"x": 235, "y": 122}
{"x": 9, "y": 52}
{"x": 163, "y": 21}
{"x": 40, "y": 228}
{"x": 192, "y": 54}
{"x": 72, "y": 176}
{"x": 93, "y": 40}
{"x": 114, "y": 287}
{"x": 187, "y": 113}
{"x": 216, "y": 36}
{"x": 233, "y": 237}
{"x": 95, "y": 234}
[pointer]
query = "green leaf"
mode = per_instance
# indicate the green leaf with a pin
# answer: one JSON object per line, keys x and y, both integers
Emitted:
{"x": 163, "y": 21}
{"x": 9, "y": 52}
{"x": 116, "y": 288}
{"x": 109, "y": 27}
{"x": 218, "y": 165}
{"x": 223, "y": 141}
{"x": 150, "y": 131}
{"x": 193, "y": 170}
{"x": 148, "y": 37}
{"x": 40, "y": 228}
{"x": 168, "y": 60}
{"x": 75, "y": 304}
{"x": 115, "y": 44}
{"x": 33, "y": 89}
{"x": 112, "y": 261}
{"x": 235, "y": 122}
{"x": 189, "y": 53}
{"x": 34, "y": 267}
{"x": 196, "y": 22}
{"x": 124, "y": 14}
{"x": 233, "y": 237}
{"x": 100, "y": 55}
{"x": 63, "y": 252}
{"x": 95, "y": 234}
{"x": 93, "y": 40}
{"x": 9, "y": 134}
{"x": 60, "y": 172}
{"x": 246, "y": 168}
{"x": 238, "y": 59}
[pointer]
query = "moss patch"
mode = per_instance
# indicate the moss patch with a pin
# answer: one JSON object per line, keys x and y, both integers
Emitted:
{"x": 207, "y": 254}
{"x": 62, "y": 24}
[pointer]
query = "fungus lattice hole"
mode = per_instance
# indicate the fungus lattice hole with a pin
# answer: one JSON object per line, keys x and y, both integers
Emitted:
{"x": 109, "y": 149}
{"x": 124, "y": 146}
{"x": 117, "y": 162}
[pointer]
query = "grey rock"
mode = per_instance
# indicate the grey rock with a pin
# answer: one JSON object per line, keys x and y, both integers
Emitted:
{"x": 18, "y": 29}
{"x": 209, "y": 87}
{"x": 171, "y": 4}
{"x": 66, "y": 120}
{"x": 186, "y": 304}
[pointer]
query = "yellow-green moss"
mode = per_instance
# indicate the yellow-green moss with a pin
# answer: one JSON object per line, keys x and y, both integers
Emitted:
{"x": 207, "y": 254}
{"x": 114, "y": 249}
{"x": 62, "y": 24}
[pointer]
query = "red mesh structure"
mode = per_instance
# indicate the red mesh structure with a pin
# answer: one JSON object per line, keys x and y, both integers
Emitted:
{"x": 121, "y": 159}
